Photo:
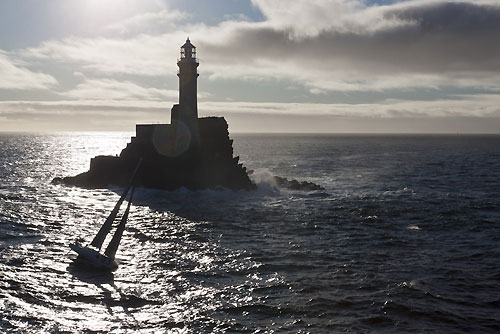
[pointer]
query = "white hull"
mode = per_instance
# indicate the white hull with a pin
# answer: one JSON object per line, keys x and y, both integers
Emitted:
{"x": 94, "y": 259}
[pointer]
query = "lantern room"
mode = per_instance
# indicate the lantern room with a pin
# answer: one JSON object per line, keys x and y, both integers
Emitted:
{"x": 188, "y": 51}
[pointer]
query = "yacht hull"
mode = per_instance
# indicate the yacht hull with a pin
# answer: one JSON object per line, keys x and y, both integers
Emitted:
{"x": 92, "y": 258}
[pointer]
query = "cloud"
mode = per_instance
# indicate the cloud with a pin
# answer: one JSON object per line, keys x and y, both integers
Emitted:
{"x": 439, "y": 43}
{"x": 140, "y": 55}
{"x": 81, "y": 115}
{"x": 324, "y": 45}
{"x": 485, "y": 105}
{"x": 15, "y": 76}
{"x": 472, "y": 114}
{"x": 320, "y": 46}
{"x": 462, "y": 106}
{"x": 152, "y": 22}
{"x": 110, "y": 89}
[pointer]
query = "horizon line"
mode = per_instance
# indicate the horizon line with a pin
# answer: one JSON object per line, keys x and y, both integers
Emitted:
{"x": 264, "y": 133}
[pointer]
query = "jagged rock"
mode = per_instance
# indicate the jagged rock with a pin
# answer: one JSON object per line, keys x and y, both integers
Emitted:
{"x": 169, "y": 161}
{"x": 283, "y": 182}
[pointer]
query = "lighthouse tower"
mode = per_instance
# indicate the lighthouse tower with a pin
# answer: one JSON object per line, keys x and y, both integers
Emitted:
{"x": 185, "y": 114}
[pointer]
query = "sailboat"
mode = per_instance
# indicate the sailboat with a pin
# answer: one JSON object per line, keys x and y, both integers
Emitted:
{"x": 90, "y": 255}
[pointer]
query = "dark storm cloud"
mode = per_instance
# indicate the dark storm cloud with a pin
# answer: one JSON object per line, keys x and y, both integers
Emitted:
{"x": 419, "y": 37}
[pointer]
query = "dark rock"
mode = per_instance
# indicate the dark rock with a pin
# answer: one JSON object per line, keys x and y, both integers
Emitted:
{"x": 283, "y": 182}
{"x": 170, "y": 161}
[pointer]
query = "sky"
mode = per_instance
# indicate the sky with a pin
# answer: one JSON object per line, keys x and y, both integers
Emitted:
{"x": 310, "y": 66}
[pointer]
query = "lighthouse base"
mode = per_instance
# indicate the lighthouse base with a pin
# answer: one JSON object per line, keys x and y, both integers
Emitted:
{"x": 171, "y": 160}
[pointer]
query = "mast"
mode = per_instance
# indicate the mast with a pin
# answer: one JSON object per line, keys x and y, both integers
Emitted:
{"x": 106, "y": 227}
{"x": 115, "y": 241}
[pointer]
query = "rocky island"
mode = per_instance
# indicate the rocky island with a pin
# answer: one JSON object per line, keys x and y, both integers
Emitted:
{"x": 190, "y": 152}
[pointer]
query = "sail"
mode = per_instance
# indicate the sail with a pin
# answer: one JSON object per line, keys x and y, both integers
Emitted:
{"x": 106, "y": 227}
{"x": 115, "y": 241}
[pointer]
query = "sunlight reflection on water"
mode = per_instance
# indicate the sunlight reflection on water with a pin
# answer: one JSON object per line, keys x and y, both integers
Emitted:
{"x": 50, "y": 292}
{"x": 271, "y": 260}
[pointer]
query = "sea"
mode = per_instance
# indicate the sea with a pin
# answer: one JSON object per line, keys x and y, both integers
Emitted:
{"x": 405, "y": 238}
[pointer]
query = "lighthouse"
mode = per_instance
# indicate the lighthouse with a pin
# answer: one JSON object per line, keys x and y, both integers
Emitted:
{"x": 190, "y": 152}
{"x": 185, "y": 114}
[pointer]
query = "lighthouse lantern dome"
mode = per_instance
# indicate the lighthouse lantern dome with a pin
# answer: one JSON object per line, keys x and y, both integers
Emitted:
{"x": 188, "y": 50}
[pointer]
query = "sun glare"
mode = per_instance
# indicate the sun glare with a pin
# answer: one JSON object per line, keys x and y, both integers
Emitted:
{"x": 104, "y": 6}
{"x": 110, "y": 10}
